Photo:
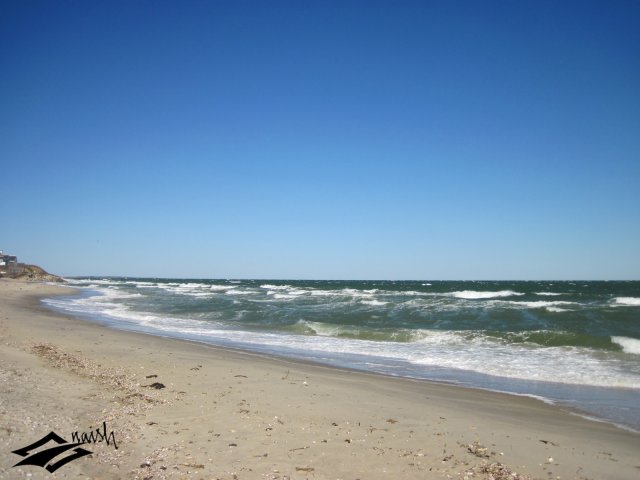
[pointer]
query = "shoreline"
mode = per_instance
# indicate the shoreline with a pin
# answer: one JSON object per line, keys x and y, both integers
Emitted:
{"x": 572, "y": 410}
{"x": 569, "y": 396}
{"x": 272, "y": 417}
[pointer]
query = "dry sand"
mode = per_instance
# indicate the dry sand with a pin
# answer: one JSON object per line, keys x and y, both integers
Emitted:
{"x": 233, "y": 415}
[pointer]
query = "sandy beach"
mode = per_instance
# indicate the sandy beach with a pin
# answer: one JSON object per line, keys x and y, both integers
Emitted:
{"x": 183, "y": 410}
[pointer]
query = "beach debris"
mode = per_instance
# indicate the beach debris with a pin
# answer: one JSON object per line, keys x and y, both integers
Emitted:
{"x": 242, "y": 376}
{"x": 299, "y": 448}
{"x": 233, "y": 444}
{"x": 151, "y": 376}
{"x": 374, "y": 429}
{"x": 156, "y": 385}
{"x": 305, "y": 469}
{"x": 392, "y": 420}
{"x": 286, "y": 376}
{"x": 549, "y": 442}
{"x": 478, "y": 450}
{"x": 119, "y": 380}
{"x": 498, "y": 471}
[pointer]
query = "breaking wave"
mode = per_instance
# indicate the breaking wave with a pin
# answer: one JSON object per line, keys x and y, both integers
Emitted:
{"x": 627, "y": 301}
{"x": 629, "y": 345}
{"x": 474, "y": 295}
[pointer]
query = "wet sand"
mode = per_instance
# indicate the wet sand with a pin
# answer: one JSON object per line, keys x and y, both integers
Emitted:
{"x": 184, "y": 410}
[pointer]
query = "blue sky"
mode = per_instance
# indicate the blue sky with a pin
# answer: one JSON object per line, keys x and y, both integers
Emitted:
{"x": 339, "y": 140}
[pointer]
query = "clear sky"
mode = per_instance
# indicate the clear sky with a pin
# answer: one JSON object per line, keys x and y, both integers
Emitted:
{"x": 323, "y": 140}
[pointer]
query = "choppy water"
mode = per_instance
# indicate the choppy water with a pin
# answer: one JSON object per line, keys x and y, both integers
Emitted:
{"x": 573, "y": 343}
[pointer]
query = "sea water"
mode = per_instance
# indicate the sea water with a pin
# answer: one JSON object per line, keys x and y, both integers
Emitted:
{"x": 576, "y": 344}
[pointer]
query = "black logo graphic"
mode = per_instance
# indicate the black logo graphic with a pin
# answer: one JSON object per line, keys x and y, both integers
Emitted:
{"x": 44, "y": 458}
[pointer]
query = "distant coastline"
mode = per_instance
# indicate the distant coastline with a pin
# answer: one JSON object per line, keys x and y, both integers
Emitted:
{"x": 11, "y": 268}
{"x": 30, "y": 273}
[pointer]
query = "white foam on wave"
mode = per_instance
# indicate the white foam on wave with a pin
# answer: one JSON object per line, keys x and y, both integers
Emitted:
{"x": 524, "y": 361}
{"x": 141, "y": 284}
{"x": 629, "y": 345}
{"x": 284, "y": 296}
{"x": 375, "y": 303}
{"x": 352, "y": 293}
{"x": 355, "y": 293}
{"x": 436, "y": 337}
{"x": 221, "y": 288}
{"x": 540, "y": 304}
{"x": 455, "y": 350}
{"x": 268, "y": 286}
{"x": 324, "y": 293}
{"x": 105, "y": 303}
{"x": 282, "y": 292}
{"x": 549, "y": 294}
{"x": 112, "y": 293}
{"x": 410, "y": 293}
{"x": 297, "y": 292}
{"x": 239, "y": 292}
{"x": 627, "y": 301}
{"x": 82, "y": 282}
{"x": 475, "y": 295}
{"x": 322, "y": 329}
{"x": 345, "y": 292}
{"x": 190, "y": 289}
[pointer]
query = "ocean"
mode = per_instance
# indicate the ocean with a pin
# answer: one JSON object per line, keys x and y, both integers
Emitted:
{"x": 574, "y": 344}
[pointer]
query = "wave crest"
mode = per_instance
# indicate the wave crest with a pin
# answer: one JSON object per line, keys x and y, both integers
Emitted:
{"x": 629, "y": 345}
{"x": 627, "y": 301}
{"x": 475, "y": 295}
